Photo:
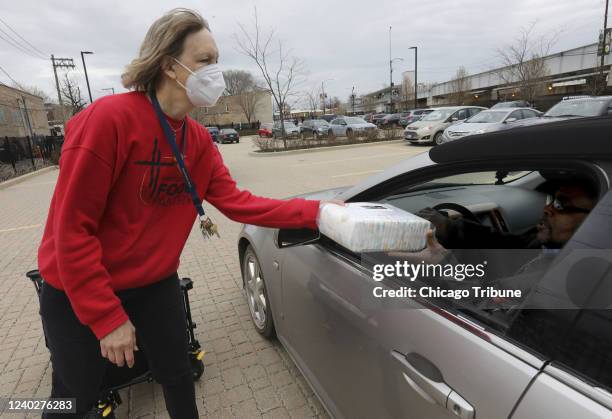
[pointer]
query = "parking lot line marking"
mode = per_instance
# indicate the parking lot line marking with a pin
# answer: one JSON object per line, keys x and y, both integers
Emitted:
{"x": 349, "y": 159}
{"x": 357, "y": 173}
{"x": 21, "y": 228}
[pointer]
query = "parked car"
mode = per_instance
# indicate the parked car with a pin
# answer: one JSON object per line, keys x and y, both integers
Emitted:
{"x": 265, "y": 130}
{"x": 291, "y": 130}
{"x": 314, "y": 128}
{"x": 419, "y": 356}
{"x": 368, "y": 117}
{"x": 574, "y": 107}
{"x": 430, "y": 128}
{"x": 347, "y": 126}
{"x": 377, "y": 118}
{"x": 487, "y": 121}
{"x": 512, "y": 104}
{"x": 228, "y": 135}
{"x": 413, "y": 116}
{"x": 214, "y": 133}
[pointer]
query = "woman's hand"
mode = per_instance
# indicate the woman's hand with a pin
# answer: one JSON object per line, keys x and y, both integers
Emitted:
{"x": 119, "y": 345}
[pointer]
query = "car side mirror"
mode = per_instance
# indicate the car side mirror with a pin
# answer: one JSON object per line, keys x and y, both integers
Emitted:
{"x": 289, "y": 237}
{"x": 510, "y": 120}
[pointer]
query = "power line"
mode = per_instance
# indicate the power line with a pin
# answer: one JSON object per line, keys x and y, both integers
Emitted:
{"x": 12, "y": 79}
{"x": 17, "y": 46}
{"x": 22, "y": 38}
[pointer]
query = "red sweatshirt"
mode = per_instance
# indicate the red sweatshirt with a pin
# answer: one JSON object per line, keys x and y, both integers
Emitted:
{"x": 120, "y": 213}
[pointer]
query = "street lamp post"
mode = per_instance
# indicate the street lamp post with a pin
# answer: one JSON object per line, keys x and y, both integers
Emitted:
{"x": 85, "y": 69}
{"x": 416, "y": 82}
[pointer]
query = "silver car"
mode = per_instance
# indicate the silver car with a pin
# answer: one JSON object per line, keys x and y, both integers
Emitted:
{"x": 291, "y": 130}
{"x": 430, "y": 128}
{"x": 347, "y": 126}
{"x": 488, "y": 121}
{"x": 423, "y": 357}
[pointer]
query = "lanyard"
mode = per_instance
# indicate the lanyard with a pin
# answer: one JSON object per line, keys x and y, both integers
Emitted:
{"x": 207, "y": 227}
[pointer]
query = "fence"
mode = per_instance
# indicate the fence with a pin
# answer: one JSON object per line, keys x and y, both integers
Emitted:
{"x": 20, "y": 155}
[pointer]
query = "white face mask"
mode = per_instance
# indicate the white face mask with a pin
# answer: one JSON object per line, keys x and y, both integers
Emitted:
{"x": 205, "y": 85}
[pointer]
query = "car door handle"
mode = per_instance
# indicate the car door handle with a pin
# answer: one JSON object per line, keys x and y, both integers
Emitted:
{"x": 427, "y": 381}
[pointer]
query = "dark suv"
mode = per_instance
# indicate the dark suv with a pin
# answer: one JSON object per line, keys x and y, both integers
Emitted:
{"x": 573, "y": 108}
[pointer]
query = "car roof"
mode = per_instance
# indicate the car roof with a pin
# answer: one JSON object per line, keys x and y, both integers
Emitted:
{"x": 587, "y": 138}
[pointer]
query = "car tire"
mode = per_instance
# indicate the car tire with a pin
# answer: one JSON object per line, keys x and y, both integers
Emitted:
{"x": 437, "y": 139}
{"x": 257, "y": 294}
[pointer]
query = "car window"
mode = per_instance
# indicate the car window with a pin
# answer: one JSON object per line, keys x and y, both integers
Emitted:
{"x": 474, "y": 111}
{"x": 516, "y": 115}
{"x": 528, "y": 113}
{"x": 461, "y": 115}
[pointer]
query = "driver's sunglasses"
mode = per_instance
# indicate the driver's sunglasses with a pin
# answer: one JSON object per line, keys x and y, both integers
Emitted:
{"x": 559, "y": 206}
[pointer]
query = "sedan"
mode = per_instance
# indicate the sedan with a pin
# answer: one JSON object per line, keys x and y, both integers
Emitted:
{"x": 314, "y": 128}
{"x": 265, "y": 131}
{"x": 228, "y": 135}
{"x": 488, "y": 121}
{"x": 348, "y": 126}
{"x": 369, "y": 351}
{"x": 291, "y": 130}
{"x": 214, "y": 133}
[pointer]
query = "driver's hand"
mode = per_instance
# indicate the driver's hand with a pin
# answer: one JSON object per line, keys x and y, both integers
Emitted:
{"x": 439, "y": 220}
{"x": 434, "y": 253}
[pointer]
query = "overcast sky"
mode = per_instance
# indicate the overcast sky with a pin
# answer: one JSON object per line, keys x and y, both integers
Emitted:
{"x": 347, "y": 41}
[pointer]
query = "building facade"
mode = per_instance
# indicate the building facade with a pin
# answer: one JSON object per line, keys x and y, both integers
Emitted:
{"x": 230, "y": 110}
{"x": 21, "y": 114}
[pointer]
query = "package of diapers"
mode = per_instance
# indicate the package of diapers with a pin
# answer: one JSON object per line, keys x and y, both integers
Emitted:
{"x": 373, "y": 227}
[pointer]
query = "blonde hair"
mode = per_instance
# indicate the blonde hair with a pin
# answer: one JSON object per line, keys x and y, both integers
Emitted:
{"x": 164, "y": 38}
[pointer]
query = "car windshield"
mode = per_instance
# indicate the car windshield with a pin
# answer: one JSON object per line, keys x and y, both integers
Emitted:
{"x": 438, "y": 115}
{"x": 577, "y": 108}
{"x": 266, "y": 126}
{"x": 487, "y": 117}
{"x": 355, "y": 121}
{"x": 319, "y": 122}
{"x": 228, "y": 131}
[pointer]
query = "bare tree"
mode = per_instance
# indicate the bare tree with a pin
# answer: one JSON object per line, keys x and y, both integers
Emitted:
{"x": 525, "y": 64}
{"x": 238, "y": 81}
{"x": 33, "y": 90}
{"x": 407, "y": 92}
{"x": 282, "y": 73}
{"x": 313, "y": 99}
{"x": 459, "y": 86}
{"x": 243, "y": 85}
{"x": 72, "y": 93}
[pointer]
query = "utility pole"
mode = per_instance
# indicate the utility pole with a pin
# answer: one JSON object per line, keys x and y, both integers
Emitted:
{"x": 85, "y": 69}
{"x": 390, "y": 75}
{"x": 60, "y": 63}
{"x": 416, "y": 80}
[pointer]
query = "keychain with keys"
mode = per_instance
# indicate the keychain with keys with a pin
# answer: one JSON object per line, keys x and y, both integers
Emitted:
{"x": 208, "y": 228}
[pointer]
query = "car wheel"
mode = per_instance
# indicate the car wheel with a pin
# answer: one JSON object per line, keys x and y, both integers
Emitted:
{"x": 257, "y": 294}
{"x": 437, "y": 140}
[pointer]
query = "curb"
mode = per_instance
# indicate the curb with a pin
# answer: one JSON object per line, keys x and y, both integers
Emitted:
{"x": 317, "y": 149}
{"x": 19, "y": 179}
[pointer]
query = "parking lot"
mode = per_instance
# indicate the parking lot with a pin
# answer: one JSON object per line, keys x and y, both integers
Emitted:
{"x": 245, "y": 375}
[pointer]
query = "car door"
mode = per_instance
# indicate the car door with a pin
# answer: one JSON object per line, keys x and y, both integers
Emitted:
{"x": 514, "y": 117}
{"x": 391, "y": 357}
{"x": 577, "y": 383}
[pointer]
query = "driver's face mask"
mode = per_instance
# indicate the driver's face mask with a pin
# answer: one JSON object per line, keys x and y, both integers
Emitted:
{"x": 205, "y": 85}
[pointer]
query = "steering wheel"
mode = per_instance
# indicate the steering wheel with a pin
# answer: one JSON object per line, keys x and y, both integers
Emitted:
{"x": 466, "y": 213}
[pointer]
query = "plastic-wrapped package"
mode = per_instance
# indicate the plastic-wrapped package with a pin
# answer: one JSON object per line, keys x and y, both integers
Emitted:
{"x": 373, "y": 227}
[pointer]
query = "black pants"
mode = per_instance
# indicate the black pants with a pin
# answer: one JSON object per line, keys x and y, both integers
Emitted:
{"x": 158, "y": 315}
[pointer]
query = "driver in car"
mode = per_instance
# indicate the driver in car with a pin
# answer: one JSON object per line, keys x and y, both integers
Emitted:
{"x": 565, "y": 210}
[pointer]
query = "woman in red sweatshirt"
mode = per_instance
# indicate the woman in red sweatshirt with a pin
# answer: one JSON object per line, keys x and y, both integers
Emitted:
{"x": 121, "y": 214}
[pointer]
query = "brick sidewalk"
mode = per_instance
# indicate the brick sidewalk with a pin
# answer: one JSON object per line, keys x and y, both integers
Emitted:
{"x": 246, "y": 376}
